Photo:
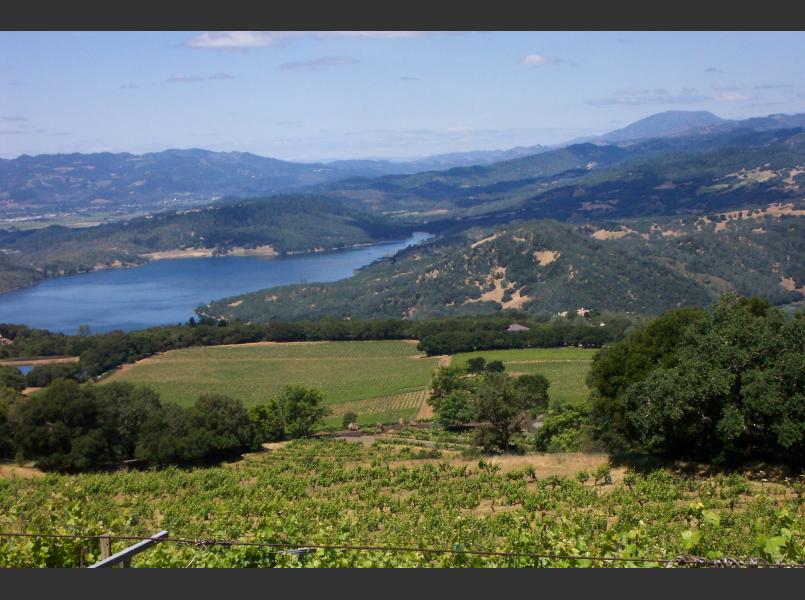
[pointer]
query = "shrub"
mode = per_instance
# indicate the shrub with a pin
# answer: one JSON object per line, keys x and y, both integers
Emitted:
{"x": 476, "y": 364}
{"x": 293, "y": 414}
{"x": 349, "y": 417}
{"x": 563, "y": 430}
{"x": 44, "y": 375}
{"x": 603, "y": 474}
{"x": 12, "y": 378}
{"x": 496, "y": 366}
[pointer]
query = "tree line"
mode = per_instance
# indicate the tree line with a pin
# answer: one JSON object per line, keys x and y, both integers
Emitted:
{"x": 71, "y": 427}
{"x": 101, "y": 353}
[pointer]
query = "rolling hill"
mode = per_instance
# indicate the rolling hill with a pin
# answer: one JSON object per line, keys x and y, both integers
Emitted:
{"x": 155, "y": 181}
{"x": 660, "y": 176}
{"x": 114, "y": 185}
{"x": 546, "y": 266}
{"x": 582, "y": 183}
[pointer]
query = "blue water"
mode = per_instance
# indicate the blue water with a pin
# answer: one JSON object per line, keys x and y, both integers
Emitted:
{"x": 168, "y": 291}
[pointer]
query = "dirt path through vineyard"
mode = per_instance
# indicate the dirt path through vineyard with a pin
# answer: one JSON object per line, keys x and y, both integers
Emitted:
{"x": 425, "y": 412}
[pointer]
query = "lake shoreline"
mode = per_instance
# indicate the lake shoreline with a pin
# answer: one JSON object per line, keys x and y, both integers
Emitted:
{"x": 236, "y": 251}
{"x": 168, "y": 290}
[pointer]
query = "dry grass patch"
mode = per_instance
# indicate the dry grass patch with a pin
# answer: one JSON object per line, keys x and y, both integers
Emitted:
{"x": 484, "y": 240}
{"x": 19, "y": 471}
{"x": 546, "y": 257}
{"x": 604, "y": 234}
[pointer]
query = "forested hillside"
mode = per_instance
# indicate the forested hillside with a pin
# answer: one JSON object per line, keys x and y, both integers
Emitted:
{"x": 545, "y": 266}
{"x": 154, "y": 181}
{"x": 663, "y": 176}
{"x": 125, "y": 183}
{"x": 275, "y": 225}
{"x": 583, "y": 183}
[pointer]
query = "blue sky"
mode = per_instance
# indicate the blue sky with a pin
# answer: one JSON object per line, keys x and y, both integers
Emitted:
{"x": 332, "y": 95}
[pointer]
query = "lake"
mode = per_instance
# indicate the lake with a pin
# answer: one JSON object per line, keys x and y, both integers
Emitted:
{"x": 168, "y": 291}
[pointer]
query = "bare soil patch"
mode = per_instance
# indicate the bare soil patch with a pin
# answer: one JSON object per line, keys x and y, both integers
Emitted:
{"x": 19, "y": 362}
{"x": 546, "y": 257}
{"x": 496, "y": 277}
{"x": 483, "y": 241}
{"x": 791, "y": 285}
{"x": 12, "y": 471}
{"x": 604, "y": 234}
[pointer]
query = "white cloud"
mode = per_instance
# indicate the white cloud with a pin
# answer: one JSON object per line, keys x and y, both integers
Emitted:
{"x": 221, "y": 76}
{"x": 231, "y": 40}
{"x": 318, "y": 64}
{"x": 536, "y": 60}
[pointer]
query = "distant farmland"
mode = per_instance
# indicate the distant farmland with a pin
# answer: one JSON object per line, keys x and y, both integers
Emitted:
{"x": 565, "y": 368}
{"x": 380, "y": 380}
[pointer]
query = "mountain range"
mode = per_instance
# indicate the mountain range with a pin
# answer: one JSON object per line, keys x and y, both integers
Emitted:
{"x": 658, "y": 176}
{"x": 120, "y": 184}
{"x": 32, "y": 186}
{"x": 575, "y": 202}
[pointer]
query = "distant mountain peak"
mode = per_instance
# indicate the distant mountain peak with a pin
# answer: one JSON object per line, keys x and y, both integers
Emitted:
{"x": 663, "y": 124}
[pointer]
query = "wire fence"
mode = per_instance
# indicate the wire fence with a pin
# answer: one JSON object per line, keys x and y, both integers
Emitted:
{"x": 303, "y": 548}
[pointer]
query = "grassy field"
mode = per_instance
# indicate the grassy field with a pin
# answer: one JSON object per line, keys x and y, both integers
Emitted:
{"x": 565, "y": 368}
{"x": 371, "y": 378}
{"x": 380, "y": 381}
